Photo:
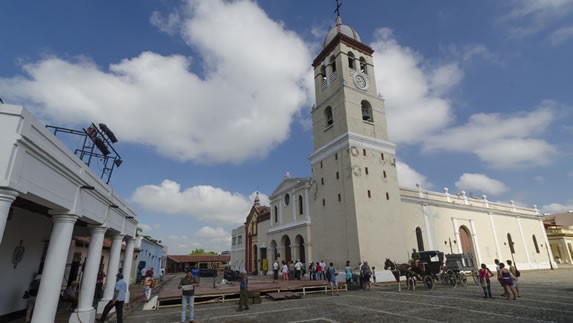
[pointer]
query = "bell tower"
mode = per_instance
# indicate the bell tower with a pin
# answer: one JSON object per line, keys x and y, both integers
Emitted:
{"x": 355, "y": 185}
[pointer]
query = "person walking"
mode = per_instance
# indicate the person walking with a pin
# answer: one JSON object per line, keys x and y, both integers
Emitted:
{"x": 506, "y": 279}
{"x": 275, "y": 271}
{"x": 331, "y": 276}
{"x": 117, "y": 301}
{"x": 32, "y": 293}
{"x": 365, "y": 270}
{"x": 243, "y": 291}
{"x": 484, "y": 275}
{"x": 298, "y": 269}
{"x": 147, "y": 284}
{"x": 515, "y": 273}
{"x": 187, "y": 286}
{"x": 285, "y": 271}
{"x": 348, "y": 273}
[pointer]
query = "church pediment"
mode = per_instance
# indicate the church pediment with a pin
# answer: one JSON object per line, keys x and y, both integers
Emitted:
{"x": 289, "y": 184}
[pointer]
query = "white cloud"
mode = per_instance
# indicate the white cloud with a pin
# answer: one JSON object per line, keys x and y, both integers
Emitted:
{"x": 203, "y": 202}
{"x": 501, "y": 141}
{"x": 561, "y": 35}
{"x": 145, "y": 228}
{"x": 554, "y": 208}
{"x": 412, "y": 89}
{"x": 207, "y": 238}
{"x": 220, "y": 115}
{"x": 169, "y": 24}
{"x": 408, "y": 177}
{"x": 532, "y": 16}
{"x": 479, "y": 183}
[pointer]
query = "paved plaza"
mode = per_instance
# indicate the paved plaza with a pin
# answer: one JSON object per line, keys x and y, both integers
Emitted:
{"x": 546, "y": 296}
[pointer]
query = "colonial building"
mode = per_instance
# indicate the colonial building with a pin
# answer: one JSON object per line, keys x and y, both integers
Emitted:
{"x": 47, "y": 196}
{"x": 559, "y": 229}
{"x": 352, "y": 206}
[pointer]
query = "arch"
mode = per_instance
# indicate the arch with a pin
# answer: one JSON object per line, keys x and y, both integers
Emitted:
{"x": 363, "y": 65}
{"x": 333, "y": 64}
{"x": 276, "y": 214}
{"x": 467, "y": 244}
{"x": 535, "y": 244}
{"x": 351, "y": 59}
{"x": 300, "y": 242}
{"x": 323, "y": 72}
{"x": 420, "y": 239}
{"x": 285, "y": 242}
{"x": 366, "y": 109}
{"x": 328, "y": 116}
{"x": 300, "y": 209}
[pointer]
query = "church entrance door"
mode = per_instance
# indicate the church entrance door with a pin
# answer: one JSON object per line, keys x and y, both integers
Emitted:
{"x": 467, "y": 246}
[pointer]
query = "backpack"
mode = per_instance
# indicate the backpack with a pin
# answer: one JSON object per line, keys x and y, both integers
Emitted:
{"x": 517, "y": 272}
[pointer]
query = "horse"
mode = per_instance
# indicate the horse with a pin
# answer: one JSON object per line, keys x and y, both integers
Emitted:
{"x": 401, "y": 270}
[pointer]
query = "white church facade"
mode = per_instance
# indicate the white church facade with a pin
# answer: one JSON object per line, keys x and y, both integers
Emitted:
{"x": 352, "y": 206}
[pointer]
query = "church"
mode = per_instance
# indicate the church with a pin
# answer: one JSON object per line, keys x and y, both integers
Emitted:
{"x": 352, "y": 207}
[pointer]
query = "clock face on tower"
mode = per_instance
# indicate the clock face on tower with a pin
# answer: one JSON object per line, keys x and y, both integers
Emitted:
{"x": 361, "y": 81}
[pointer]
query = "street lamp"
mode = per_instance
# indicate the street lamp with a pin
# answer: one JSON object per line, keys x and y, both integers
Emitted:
{"x": 548, "y": 256}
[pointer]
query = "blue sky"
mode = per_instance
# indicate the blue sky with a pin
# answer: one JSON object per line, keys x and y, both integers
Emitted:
{"x": 210, "y": 100}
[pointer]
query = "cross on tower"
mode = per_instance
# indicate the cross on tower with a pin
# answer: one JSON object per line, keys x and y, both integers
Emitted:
{"x": 337, "y": 10}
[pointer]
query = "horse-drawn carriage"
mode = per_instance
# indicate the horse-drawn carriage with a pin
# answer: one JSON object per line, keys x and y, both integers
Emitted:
{"x": 429, "y": 267}
{"x": 457, "y": 265}
{"x": 426, "y": 269}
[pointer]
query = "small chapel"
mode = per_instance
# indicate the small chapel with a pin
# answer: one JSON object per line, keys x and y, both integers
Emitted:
{"x": 352, "y": 207}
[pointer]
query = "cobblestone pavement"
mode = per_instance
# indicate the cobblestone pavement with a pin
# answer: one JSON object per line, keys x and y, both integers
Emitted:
{"x": 546, "y": 296}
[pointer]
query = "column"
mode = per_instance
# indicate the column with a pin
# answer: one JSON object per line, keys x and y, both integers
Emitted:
{"x": 427, "y": 223}
{"x": 306, "y": 206}
{"x": 6, "y": 199}
{"x": 293, "y": 204}
{"x": 547, "y": 245}
{"x": 476, "y": 243}
{"x": 497, "y": 249}
{"x": 127, "y": 263}
{"x": 85, "y": 312}
{"x": 457, "y": 235}
{"x": 54, "y": 267}
{"x": 524, "y": 243}
{"x": 112, "y": 271}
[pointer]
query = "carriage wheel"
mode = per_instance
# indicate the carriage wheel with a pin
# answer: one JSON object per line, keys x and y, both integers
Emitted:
{"x": 462, "y": 279}
{"x": 475, "y": 276}
{"x": 428, "y": 282}
{"x": 452, "y": 279}
{"x": 444, "y": 278}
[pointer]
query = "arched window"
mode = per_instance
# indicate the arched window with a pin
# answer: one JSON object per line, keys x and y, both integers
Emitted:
{"x": 323, "y": 72}
{"x": 366, "y": 111}
{"x": 351, "y": 58}
{"x": 363, "y": 68}
{"x": 328, "y": 116}
{"x": 300, "y": 211}
{"x": 535, "y": 244}
{"x": 510, "y": 243}
{"x": 276, "y": 214}
{"x": 333, "y": 64}
{"x": 420, "y": 239}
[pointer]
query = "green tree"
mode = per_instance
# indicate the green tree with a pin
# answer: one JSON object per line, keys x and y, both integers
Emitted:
{"x": 199, "y": 251}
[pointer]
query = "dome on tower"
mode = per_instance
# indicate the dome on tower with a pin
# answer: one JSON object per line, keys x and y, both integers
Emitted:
{"x": 340, "y": 28}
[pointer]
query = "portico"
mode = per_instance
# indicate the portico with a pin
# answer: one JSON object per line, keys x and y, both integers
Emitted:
{"x": 47, "y": 196}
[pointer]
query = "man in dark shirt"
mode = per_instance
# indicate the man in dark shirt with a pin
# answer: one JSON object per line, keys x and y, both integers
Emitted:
{"x": 188, "y": 285}
{"x": 244, "y": 288}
